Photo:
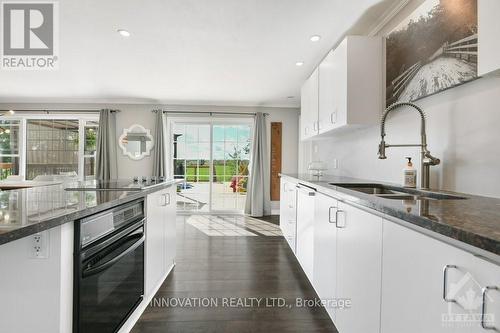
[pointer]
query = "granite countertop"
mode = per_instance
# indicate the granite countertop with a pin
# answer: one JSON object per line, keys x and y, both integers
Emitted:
{"x": 24, "y": 212}
{"x": 474, "y": 220}
{"x": 18, "y": 184}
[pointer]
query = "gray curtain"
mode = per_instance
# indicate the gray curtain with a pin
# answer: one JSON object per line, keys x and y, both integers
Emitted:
{"x": 159, "y": 163}
{"x": 258, "y": 201}
{"x": 106, "y": 164}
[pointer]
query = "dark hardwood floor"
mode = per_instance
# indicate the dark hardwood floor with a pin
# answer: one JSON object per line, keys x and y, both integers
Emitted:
{"x": 275, "y": 219}
{"x": 214, "y": 269}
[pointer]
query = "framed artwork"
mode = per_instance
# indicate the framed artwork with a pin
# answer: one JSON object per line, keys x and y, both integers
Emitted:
{"x": 433, "y": 49}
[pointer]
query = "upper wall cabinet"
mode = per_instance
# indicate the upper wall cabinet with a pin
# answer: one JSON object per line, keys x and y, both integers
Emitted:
{"x": 488, "y": 42}
{"x": 349, "y": 88}
{"x": 309, "y": 107}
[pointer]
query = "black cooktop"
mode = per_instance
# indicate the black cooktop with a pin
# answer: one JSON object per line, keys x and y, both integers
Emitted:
{"x": 135, "y": 184}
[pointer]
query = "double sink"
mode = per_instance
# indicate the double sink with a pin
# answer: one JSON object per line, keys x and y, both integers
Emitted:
{"x": 397, "y": 193}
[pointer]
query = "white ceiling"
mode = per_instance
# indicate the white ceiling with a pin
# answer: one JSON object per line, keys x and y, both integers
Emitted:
{"x": 225, "y": 52}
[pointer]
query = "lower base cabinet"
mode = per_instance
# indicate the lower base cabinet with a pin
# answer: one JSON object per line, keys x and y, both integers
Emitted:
{"x": 359, "y": 269}
{"x": 305, "y": 229}
{"x": 430, "y": 286}
{"x": 392, "y": 278}
{"x": 325, "y": 250}
{"x": 160, "y": 244}
{"x": 288, "y": 218}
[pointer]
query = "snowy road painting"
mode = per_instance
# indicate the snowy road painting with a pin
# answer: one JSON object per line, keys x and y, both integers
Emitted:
{"x": 438, "y": 75}
{"x": 433, "y": 49}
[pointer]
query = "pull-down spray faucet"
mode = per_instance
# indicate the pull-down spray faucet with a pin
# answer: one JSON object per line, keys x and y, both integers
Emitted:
{"x": 426, "y": 158}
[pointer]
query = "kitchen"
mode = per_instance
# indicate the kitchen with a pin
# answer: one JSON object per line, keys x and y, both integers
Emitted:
{"x": 250, "y": 166}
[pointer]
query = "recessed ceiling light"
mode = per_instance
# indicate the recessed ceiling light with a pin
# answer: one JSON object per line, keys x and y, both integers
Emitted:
{"x": 299, "y": 63}
{"x": 123, "y": 32}
{"x": 315, "y": 38}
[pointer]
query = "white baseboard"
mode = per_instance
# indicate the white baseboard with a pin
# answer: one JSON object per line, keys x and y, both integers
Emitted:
{"x": 134, "y": 317}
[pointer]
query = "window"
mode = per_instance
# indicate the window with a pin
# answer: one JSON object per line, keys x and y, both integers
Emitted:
{"x": 9, "y": 148}
{"x": 52, "y": 147}
{"x": 36, "y": 145}
{"x": 90, "y": 141}
{"x": 213, "y": 158}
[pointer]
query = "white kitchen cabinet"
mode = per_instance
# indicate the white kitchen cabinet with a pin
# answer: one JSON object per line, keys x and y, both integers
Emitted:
{"x": 288, "y": 211}
{"x": 415, "y": 280}
{"x": 170, "y": 239}
{"x": 345, "y": 90}
{"x": 325, "y": 249}
{"x": 359, "y": 269}
{"x": 305, "y": 229}
{"x": 160, "y": 237}
{"x": 309, "y": 107}
{"x": 488, "y": 44}
{"x": 487, "y": 275}
{"x": 333, "y": 89}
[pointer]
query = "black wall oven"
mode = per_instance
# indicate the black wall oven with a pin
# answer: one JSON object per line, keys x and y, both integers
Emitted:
{"x": 109, "y": 268}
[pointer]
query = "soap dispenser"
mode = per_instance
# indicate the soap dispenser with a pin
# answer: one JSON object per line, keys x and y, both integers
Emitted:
{"x": 409, "y": 175}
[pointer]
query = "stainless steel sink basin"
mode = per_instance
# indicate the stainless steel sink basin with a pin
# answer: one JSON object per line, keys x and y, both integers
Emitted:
{"x": 397, "y": 193}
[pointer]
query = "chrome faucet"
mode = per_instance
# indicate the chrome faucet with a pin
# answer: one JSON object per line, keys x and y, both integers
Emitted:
{"x": 426, "y": 159}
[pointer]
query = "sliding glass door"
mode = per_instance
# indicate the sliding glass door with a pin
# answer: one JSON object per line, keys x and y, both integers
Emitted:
{"x": 213, "y": 158}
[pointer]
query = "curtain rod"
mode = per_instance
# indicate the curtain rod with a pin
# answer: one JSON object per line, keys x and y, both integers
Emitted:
{"x": 211, "y": 113}
{"x": 13, "y": 111}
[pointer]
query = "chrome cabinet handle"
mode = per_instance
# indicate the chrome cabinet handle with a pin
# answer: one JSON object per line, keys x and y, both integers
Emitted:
{"x": 330, "y": 215}
{"x": 340, "y": 219}
{"x": 445, "y": 283}
{"x": 311, "y": 193}
{"x": 333, "y": 117}
{"x": 483, "y": 307}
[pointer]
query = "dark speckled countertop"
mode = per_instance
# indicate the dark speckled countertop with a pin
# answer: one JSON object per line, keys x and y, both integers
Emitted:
{"x": 474, "y": 221}
{"x": 25, "y": 212}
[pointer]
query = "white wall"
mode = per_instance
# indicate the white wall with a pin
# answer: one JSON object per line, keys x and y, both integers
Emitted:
{"x": 141, "y": 114}
{"x": 463, "y": 130}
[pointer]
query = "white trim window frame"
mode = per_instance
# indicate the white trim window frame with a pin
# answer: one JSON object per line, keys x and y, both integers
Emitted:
{"x": 212, "y": 121}
{"x": 83, "y": 120}
{"x": 19, "y": 140}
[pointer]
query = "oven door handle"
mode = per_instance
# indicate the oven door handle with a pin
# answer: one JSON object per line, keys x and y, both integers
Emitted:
{"x": 96, "y": 269}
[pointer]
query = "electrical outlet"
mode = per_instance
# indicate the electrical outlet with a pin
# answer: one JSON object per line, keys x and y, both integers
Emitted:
{"x": 39, "y": 248}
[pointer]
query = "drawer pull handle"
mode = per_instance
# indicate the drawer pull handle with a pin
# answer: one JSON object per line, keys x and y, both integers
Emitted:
{"x": 445, "y": 283}
{"x": 340, "y": 219}
{"x": 483, "y": 307}
{"x": 330, "y": 215}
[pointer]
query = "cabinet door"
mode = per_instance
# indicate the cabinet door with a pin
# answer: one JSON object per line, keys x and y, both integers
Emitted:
{"x": 169, "y": 218}
{"x": 155, "y": 232}
{"x": 309, "y": 107}
{"x": 415, "y": 281}
{"x": 305, "y": 229}
{"x": 325, "y": 243}
{"x": 288, "y": 212}
{"x": 359, "y": 269}
{"x": 489, "y": 30}
{"x": 333, "y": 89}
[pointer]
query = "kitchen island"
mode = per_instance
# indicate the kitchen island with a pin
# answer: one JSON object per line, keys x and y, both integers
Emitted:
{"x": 37, "y": 250}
